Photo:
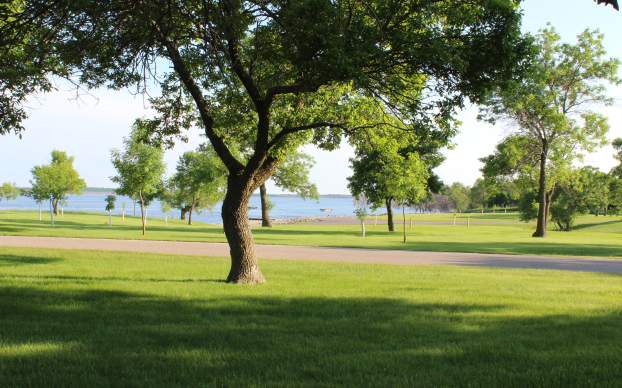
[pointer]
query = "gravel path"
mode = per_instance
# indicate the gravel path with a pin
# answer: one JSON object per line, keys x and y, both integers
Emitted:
{"x": 350, "y": 255}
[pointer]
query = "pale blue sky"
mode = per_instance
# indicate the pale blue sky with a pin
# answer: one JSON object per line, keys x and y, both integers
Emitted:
{"x": 90, "y": 127}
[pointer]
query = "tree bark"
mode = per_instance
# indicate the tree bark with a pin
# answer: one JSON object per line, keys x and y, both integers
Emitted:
{"x": 244, "y": 265}
{"x": 190, "y": 215}
{"x": 183, "y": 211}
{"x": 547, "y": 207}
{"x": 265, "y": 207}
{"x": 390, "y": 223}
{"x": 542, "y": 197}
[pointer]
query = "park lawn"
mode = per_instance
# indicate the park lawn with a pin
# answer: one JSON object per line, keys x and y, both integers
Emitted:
{"x": 88, "y": 318}
{"x": 594, "y": 236}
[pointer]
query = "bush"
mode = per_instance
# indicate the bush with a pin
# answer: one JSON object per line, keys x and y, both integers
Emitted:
{"x": 528, "y": 206}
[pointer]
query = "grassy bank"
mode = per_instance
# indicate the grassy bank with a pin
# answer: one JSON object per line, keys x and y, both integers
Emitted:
{"x": 70, "y": 318}
{"x": 488, "y": 233}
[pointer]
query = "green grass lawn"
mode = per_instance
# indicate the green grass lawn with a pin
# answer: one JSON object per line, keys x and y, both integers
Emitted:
{"x": 74, "y": 318}
{"x": 594, "y": 236}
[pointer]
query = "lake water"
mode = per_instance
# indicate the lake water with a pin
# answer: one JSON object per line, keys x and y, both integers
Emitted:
{"x": 285, "y": 206}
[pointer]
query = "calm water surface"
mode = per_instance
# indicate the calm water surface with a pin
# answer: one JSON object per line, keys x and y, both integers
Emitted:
{"x": 285, "y": 206}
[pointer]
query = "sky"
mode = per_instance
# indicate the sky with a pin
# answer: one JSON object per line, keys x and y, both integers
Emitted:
{"x": 90, "y": 126}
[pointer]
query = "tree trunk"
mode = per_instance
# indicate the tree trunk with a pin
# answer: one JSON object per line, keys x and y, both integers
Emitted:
{"x": 390, "y": 223}
{"x": 404, "y": 222}
{"x": 190, "y": 215}
{"x": 265, "y": 207}
{"x": 142, "y": 212}
{"x": 244, "y": 265}
{"x": 542, "y": 197}
{"x": 547, "y": 207}
{"x": 184, "y": 211}
{"x": 55, "y": 206}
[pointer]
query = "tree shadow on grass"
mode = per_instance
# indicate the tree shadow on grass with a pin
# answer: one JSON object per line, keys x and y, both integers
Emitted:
{"x": 536, "y": 249}
{"x": 13, "y": 260}
{"x": 104, "y": 337}
{"x": 596, "y": 224}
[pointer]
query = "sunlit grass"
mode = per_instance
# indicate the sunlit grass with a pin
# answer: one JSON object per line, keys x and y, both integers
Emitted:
{"x": 71, "y": 318}
{"x": 488, "y": 233}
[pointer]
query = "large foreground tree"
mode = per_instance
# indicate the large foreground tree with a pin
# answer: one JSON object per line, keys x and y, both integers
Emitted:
{"x": 553, "y": 105}
{"x": 279, "y": 54}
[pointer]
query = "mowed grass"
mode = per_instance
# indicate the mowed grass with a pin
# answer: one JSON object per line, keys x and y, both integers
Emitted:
{"x": 487, "y": 233}
{"x": 75, "y": 318}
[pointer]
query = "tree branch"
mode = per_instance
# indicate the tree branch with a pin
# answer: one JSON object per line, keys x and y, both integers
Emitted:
{"x": 219, "y": 145}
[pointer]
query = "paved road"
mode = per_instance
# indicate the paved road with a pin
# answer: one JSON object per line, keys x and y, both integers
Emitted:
{"x": 350, "y": 255}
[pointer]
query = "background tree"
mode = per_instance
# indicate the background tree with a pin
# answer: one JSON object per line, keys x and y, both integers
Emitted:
{"x": 293, "y": 176}
{"x": 479, "y": 194}
{"x": 277, "y": 53}
{"x": 9, "y": 191}
{"x": 615, "y": 178}
{"x": 199, "y": 181}
{"x": 551, "y": 104}
{"x": 396, "y": 150}
{"x": 140, "y": 167}
{"x": 110, "y": 203}
{"x": 56, "y": 180}
{"x": 459, "y": 195}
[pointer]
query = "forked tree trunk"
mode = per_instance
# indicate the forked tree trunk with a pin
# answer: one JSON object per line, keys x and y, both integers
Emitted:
{"x": 244, "y": 265}
{"x": 390, "y": 223}
{"x": 265, "y": 207}
{"x": 542, "y": 197}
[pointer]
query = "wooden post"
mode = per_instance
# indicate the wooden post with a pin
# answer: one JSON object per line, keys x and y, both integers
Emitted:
{"x": 468, "y": 221}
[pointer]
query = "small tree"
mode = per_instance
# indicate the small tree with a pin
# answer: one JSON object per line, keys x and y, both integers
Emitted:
{"x": 459, "y": 195}
{"x": 361, "y": 210}
{"x": 479, "y": 194}
{"x": 140, "y": 167}
{"x": 199, "y": 181}
{"x": 56, "y": 180}
{"x": 9, "y": 191}
{"x": 166, "y": 208}
{"x": 110, "y": 203}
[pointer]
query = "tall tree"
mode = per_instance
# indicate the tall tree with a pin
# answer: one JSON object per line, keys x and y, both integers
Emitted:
{"x": 278, "y": 53}
{"x": 551, "y": 104}
{"x": 199, "y": 181}
{"x": 140, "y": 167}
{"x": 56, "y": 180}
{"x": 293, "y": 176}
